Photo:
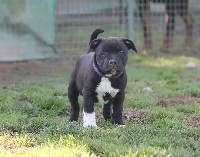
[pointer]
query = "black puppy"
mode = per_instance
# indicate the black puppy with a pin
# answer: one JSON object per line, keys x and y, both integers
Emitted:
{"x": 100, "y": 76}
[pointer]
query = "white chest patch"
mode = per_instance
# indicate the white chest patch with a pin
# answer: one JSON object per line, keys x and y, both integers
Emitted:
{"x": 103, "y": 88}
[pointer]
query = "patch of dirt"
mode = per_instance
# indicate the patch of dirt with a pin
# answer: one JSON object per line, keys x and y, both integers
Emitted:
{"x": 192, "y": 120}
{"x": 178, "y": 101}
{"x": 33, "y": 70}
{"x": 185, "y": 100}
{"x": 24, "y": 101}
{"x": 9, "y": 148}
{"x": 5, "y": 131}
{"x": 136, "y": 116}
{"x": 131, "y": 115}
{"x": 8, "y": 144}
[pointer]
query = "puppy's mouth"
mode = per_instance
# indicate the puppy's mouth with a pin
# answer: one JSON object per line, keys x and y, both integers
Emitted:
{"x": 113, "y": 72}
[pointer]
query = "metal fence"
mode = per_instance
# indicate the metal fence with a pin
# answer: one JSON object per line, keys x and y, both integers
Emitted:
{"x": 36, "y": 29}
{"x": 157, "y": 24}
{"x": 78, "y": 18}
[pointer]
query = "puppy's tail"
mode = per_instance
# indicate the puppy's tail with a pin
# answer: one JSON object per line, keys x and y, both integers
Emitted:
{"x": 95, "y": 34}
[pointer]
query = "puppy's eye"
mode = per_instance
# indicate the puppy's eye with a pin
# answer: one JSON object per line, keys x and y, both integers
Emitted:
{"x": 121, "y": 53}
{"x": 103, "y": 53}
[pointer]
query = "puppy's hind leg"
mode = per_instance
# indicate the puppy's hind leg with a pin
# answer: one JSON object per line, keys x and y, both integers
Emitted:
{"x": 73, "y": 94}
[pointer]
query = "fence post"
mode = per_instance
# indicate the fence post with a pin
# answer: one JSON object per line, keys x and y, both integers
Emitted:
{"x": 130, "y": 20}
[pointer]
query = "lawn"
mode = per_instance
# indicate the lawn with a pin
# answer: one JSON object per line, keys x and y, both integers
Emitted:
{"x": 161, "y": 113}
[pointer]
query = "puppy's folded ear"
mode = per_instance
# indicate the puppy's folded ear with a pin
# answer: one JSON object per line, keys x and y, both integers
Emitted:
{"x": 94, "y": 44}
{"x": 129, "y": 44}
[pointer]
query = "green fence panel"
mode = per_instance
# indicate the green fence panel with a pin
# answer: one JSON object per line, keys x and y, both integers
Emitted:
{"x": 27, "y": 29}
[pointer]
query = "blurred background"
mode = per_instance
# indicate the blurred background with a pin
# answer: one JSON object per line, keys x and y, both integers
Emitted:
{"x": 42, "y": 29}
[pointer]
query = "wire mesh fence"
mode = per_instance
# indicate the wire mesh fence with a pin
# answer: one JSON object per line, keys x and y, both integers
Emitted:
{"x": 33, "y": 29}
{"x": 169, "y": 23}
{"x": 77, "y": 19}
{"x": 158, "y": 24}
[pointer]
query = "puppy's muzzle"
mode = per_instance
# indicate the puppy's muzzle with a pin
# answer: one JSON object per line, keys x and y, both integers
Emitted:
{"x": 115, "y": 64}
{"x": 114, "y": 67}
{"x": 112, "y": 62}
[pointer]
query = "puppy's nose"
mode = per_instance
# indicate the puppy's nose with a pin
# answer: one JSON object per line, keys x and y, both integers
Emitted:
{"x": 112, "y": 62}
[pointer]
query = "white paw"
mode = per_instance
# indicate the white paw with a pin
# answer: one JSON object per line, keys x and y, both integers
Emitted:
{"x": 89, "y": 120}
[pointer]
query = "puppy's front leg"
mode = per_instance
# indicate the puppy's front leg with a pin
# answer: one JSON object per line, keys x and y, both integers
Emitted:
{"x": 118, "y": 108}
{"x": 89, "y": 118}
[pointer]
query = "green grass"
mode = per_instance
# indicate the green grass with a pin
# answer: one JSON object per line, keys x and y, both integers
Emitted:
{"x": 34, "y": 116}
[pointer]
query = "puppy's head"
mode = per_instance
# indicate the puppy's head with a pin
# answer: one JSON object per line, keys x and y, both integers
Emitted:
{"x": 111, "y": 54}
